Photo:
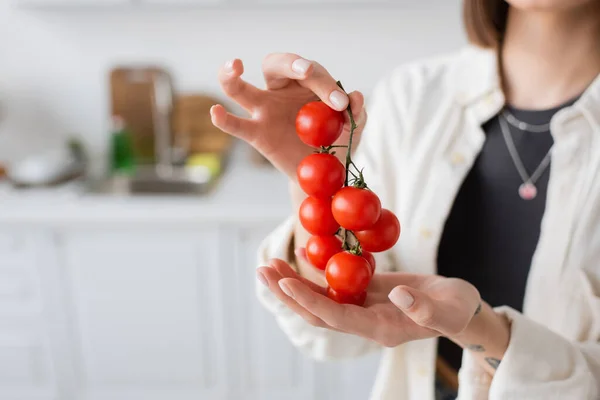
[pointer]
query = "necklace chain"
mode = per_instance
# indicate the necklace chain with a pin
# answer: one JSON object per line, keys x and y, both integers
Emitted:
{"x": 514, "y": 154}
{"x": 524, "y": 126}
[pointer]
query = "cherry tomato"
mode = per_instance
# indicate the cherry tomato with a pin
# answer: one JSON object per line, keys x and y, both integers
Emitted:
{"x": 370, "y": 259}
{"x": 316, "y": 217}
{"x": 318, "y": 125}
{"x": 319, "y": 249}
{"x": 381, "y": 236}
{"x": 356, "y": 209}
{"x": 356, "y": 299}
{"x": 348, "y": 273}
{"x": 321, "y": 175}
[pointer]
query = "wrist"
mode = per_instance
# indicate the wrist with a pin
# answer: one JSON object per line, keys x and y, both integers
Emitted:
{"x": 486, "y": 336}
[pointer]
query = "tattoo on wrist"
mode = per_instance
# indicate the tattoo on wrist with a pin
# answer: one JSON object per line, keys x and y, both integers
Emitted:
{"x": 493, "y": 362}
{"x": 478, "y": 310}
{"x": 475, "y": 347}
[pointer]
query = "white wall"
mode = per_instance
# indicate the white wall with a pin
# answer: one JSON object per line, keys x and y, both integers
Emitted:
{"x": 53, "y": 65}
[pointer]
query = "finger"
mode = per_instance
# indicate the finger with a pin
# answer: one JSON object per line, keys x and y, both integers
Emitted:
{"x": 236, "y": 88}
{"x": 280, "y": 68}
{"x": 239, "y": 127}
{"x": 300, "y": 252}
{"x": 417, "y": 305}
{"x": 357, "y": 103}
{"x": 272, "y": 277}
{"x": 287, "y": 272}
{"x": 347, "y": 318}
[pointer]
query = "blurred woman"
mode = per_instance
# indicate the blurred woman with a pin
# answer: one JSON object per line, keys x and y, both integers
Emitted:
{"x": 491, "y": 159}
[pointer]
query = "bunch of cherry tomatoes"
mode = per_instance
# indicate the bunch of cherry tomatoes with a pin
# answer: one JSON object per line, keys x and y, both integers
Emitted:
{"x": 343, "y": 216}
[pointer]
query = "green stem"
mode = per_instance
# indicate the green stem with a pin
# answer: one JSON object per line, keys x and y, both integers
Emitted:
{"x": 352, "y": 129}
{"x": 349, "y": 162}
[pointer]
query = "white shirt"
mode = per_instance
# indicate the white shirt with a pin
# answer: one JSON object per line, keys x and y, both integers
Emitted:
{"x": 423, "y": 135}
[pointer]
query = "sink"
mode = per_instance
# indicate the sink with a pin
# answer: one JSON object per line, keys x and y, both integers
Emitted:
{"x": 152, "y": 180}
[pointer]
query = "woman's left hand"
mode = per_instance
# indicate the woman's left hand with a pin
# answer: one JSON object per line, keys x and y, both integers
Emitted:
{"x": 400, "y": 307}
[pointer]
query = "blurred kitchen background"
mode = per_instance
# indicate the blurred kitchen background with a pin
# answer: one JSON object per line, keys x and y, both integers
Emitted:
{"x": 129, "y": 225}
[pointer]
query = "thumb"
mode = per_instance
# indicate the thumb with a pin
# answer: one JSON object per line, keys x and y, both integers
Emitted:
{"x": 417, "y": 305}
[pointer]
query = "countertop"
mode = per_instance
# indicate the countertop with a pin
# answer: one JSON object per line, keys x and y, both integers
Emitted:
{"x": 246, "y": 193}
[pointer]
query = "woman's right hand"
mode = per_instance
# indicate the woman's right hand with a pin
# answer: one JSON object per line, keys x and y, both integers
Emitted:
{"x": 291, "y": 82}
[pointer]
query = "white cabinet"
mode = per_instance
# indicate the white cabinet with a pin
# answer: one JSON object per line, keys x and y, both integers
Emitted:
{"x": 150, "y": 312}
{"x": 146, "y": 314}
{"x": 25, "y": 368}
{"x": 26, "y": 364}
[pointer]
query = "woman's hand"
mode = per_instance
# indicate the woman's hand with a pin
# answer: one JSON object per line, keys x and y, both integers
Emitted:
{"x": 400, "y": 307}
{"x": 291, "y": 82}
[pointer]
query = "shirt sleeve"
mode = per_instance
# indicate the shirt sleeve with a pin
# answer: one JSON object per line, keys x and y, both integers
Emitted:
{"x": 538, "y": 364}
{"x": 319, "y": 343}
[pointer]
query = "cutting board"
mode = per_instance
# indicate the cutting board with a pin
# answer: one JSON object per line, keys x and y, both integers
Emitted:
{"x": 132, "y": 98}
{"x": 192, "y": 126}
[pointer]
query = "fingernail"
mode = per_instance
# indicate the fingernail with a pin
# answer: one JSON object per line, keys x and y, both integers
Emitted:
{"x": 338, "y": 99}
{"x": 228, "y": 66}
{"x": 299, "y": 252}
{"x": 301, "y": 66}
{"x": 401, "y": 298}
{"x": 262, "y": 279}
{"x": 286, "y": 289}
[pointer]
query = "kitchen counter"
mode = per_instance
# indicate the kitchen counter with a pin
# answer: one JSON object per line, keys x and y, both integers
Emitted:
{"x": 245, "y": 193}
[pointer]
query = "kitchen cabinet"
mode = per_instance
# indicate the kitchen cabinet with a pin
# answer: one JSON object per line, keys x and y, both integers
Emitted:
{"x": 145, "y": 313}
{"x": 151, "y": 313}
{"x": 151, "y": 298}
{"x": 26, "y": 364}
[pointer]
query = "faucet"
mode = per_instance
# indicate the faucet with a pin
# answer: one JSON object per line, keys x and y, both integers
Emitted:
{"x": 161, "y": 116}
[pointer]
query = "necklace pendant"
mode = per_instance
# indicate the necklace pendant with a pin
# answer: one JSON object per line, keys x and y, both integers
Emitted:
{"x": 527, "y": 191}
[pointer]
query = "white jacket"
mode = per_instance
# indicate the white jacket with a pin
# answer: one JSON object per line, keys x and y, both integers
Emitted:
{"x": 423, "y": 135}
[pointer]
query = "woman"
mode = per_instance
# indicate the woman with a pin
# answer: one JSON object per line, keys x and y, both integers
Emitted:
{"x": 491, "y": 160}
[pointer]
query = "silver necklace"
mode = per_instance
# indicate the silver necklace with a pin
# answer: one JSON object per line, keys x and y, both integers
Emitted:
{"x": 524, "y": 126}
{"x": 527, "y": 190}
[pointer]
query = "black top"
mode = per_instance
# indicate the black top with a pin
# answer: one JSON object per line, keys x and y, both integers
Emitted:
{"x": 491, "y": 233}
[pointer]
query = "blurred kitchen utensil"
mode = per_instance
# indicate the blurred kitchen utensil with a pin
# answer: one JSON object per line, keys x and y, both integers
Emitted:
{"x": 134, "y": 92}
{"x": 48, "y": 168}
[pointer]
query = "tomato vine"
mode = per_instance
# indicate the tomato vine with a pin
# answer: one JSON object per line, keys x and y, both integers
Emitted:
{"x": 358, "y": 180}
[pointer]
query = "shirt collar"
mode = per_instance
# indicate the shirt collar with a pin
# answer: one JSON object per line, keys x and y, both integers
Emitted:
{"x": 589, "y": 103}
{"x": 478, "y": 87}
{"x": 476, "y": 75}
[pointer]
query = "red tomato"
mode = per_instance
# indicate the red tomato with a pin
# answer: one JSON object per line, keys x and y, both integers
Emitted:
{"x": 318, "y": 125}
{"x": 321, "y": 175}
{"x": 381, "y": 236}
{"x": 347, "y": 273}
{"x": 356, "y": 209}
{"x": 315, "y": 216}
{"x": 356, "y": 299}
{"x": 319, "y": 249}
{"x": 370, "y": 259}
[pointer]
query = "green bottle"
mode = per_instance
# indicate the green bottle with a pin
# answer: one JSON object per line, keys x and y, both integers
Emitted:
{"x": 122, "y": 154}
